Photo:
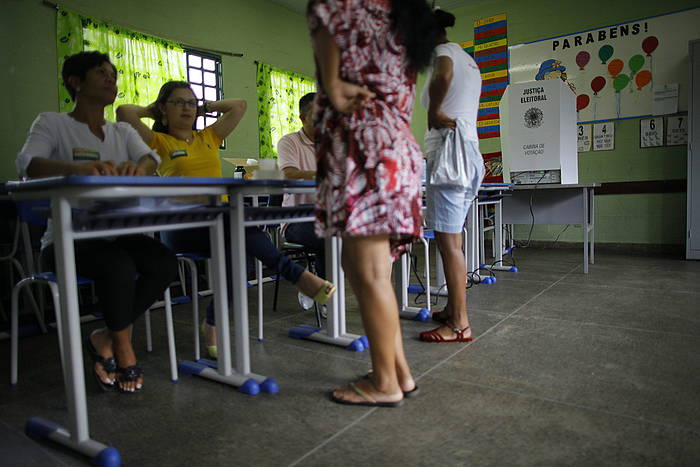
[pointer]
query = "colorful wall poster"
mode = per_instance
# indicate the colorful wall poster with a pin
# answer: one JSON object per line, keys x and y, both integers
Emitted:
{"x": 493, "y": 161}
{"x": 491, "y": 55}
{"x": 613, "y": 69}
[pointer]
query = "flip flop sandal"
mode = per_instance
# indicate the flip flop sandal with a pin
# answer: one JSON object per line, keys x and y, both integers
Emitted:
{"x": 324, "y": 293}
{"x": 368, "y": 401}
{"x": 127, "y": 375}
{"x": 435, "y": 336}
{"x": 108, "y": 364}
{"x": 406, "y": 394}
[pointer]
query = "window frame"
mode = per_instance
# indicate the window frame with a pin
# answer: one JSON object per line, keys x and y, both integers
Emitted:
{"x": 218, "y": 72}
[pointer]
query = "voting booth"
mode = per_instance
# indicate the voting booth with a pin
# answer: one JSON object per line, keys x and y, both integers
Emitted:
{"x": 538, "y": 132}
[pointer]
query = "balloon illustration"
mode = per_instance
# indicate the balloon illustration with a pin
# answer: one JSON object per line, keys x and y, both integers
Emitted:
{"x": 605, "y": 53}
{"x": 620, "y": 82}
{"x": 615, "y": 67}
{"x": 582, "y": 101}
{"x": 649, "y": 45}
{"x": 582, "y": 59}
{"x": 636, "y": 63}
{"x": 642, "y": 79}
{"x": 597, "y": 84}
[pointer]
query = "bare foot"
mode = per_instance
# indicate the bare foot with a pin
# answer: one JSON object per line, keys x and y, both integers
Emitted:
{"x": 407, "y": 384}
{"x": 370, "y": 393}
{"x": 102, "y": 342}
{"x": 309, "y": 284}
{"x": 125, "y": 358}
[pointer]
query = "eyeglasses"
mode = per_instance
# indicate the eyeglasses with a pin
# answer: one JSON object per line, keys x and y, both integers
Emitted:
{"x": 182, "y": 103}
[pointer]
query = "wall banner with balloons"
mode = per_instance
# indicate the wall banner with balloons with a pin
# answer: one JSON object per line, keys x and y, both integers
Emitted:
{"x": 613, "y": 69}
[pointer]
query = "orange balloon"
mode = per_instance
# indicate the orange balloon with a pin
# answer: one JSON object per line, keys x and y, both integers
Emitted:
{"x": 642, "y": 79}
{"x": 615, "y": 67}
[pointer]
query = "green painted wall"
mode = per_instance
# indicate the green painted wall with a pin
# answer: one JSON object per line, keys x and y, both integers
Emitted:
{"x": 652, "y": 218}
{"x": 263, "y": 31}
{"x": 259, "y": 29}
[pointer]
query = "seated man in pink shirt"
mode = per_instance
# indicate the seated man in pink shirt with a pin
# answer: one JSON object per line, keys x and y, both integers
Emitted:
{"x": 297, "y": 160}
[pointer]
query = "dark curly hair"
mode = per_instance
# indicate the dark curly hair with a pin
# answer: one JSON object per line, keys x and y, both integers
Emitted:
{"x": 79, "y": 64}
{"x": 418, "y": 30}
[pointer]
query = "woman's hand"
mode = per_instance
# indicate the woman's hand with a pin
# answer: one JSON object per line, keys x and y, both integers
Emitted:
{"x": 96, "y": 168}
{"x": 440, "y": 120}
{"x": 347, "y": 97}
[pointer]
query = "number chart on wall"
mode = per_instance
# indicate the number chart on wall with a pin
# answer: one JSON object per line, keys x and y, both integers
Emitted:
{"x": 613, "y": 69}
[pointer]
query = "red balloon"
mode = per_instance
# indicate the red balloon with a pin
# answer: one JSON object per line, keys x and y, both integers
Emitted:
{"x": 582, "y": 101}
{"x": 597, "y": 84}
{"x": 649, "y": 45}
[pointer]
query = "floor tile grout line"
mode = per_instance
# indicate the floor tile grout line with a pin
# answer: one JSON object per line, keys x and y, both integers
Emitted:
{"x": 334, "y": 436}
{"x": 571, "y": 404}
{"x": 449, "y": 357}
{"x": 369, "y": 412}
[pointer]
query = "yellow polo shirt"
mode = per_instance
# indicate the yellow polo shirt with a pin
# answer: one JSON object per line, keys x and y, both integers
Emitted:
{"x": 180, "y": 159}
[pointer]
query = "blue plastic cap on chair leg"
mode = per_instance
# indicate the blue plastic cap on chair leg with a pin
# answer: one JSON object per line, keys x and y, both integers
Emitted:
{"x": 270, "y": 386}
{"x": 250, "y": 387}
{"x": 356, "y": 345}
{"x": 365, "y": 341}
{"x": 513, "y": 269}
{"x": 108, "y": 457}
{"x": 40, "y": 428}
{"x": 422, "y": 315}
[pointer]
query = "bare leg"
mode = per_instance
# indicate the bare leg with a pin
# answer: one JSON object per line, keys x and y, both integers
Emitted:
{"x": 450, "y": 246}
{"x": 366, "y": 261}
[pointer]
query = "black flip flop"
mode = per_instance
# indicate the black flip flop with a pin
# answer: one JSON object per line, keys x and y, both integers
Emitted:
{"x": 108, "y": 364}
{"x": 127, "y": 375}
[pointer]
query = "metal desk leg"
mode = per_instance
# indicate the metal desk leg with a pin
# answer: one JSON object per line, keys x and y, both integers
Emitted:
{"x": 498, "y": 240}
{"x": 401, "y": 281}
{"x": 585, "y": 230}
{"x": 77, "y": 436}
{"x": 221, "y": 371}
{"x": 335, "y": 332}
{"x": 591, "y": 222}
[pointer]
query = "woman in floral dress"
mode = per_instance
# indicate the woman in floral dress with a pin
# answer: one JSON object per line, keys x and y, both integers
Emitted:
{"x": 368, "y": 53}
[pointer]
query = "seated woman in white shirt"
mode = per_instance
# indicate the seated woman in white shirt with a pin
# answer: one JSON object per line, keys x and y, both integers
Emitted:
{"x": 130, "y": 272}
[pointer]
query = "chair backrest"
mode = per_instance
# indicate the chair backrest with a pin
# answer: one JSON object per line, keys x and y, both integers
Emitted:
{"x": 34, "y": 212}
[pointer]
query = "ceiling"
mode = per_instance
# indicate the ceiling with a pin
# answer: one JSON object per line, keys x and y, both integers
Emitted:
{"x": 299, "y": 6}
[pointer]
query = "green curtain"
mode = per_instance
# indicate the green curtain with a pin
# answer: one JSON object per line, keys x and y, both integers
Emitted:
{"x": 143, "y": 62}
{"x": 279, "y": 92}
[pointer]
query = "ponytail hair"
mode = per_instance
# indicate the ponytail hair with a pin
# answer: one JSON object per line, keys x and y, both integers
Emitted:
{"x": 444, "y": 20}
{"x": 416, "y": 26}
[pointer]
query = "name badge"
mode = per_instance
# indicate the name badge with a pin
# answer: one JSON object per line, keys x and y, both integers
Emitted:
{"x": 178, "y": 153}
{"x": 80, "y": 154}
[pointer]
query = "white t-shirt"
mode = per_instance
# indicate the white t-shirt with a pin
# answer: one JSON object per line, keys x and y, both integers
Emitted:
{"x": 462, "y": 98}
{"x": 296, "y": 151}
{"x": 58, "y": 136}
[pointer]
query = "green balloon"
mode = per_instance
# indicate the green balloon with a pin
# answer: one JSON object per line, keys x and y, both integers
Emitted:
{"x": 636, "y": 63}
{"x": 605, "y": 53}
{"x": 620, "y": 82}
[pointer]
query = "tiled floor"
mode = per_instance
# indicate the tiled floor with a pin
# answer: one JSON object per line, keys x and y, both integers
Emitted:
{"x": 567, "y": 369}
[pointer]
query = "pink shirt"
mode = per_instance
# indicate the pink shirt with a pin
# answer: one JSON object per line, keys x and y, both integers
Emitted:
{"x": 296, "y": 151}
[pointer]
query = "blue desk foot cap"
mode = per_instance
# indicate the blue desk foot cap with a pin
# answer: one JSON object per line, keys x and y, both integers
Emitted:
{"x": 209, "y": 363}
{"x": 508, "y": 251}
{"x": 302, "y": 331}
{"x": 488, "y": 280}
{"x": 365, "y": 341}
{"x": 415, "y": 289}
{"x": 422, "y": 315}
{"x": 250, "y": 387}
{"x": 39, "y": 428}
{"x": 108, "y": 457}
{"x": 189, "y": 368}
{"x": 357, "y": 345}
{"x": 481, "y": 266}
{"x": 174, "y": 380}
{"x": 260, "y": 340}
{"x": 270, "y": 386}
{"x": 513, "y": 269}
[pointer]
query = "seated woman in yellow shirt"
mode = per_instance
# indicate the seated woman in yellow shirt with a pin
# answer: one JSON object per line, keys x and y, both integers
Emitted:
{"x": 188, "y": 152}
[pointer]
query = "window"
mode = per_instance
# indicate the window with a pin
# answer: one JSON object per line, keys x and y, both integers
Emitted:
{"x": 279, "y": 92}
{"x": 204, "y": 75}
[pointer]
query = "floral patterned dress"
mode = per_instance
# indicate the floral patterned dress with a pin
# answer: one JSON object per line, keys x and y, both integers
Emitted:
{"x": 369, "y": 163}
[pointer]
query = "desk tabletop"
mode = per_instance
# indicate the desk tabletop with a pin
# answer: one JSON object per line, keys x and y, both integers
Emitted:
{"x": 554, "y": 186}
{"x": 148, "y": 181}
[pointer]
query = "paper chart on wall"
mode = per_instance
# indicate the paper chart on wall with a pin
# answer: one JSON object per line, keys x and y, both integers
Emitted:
{"x": 613, "y": 69}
